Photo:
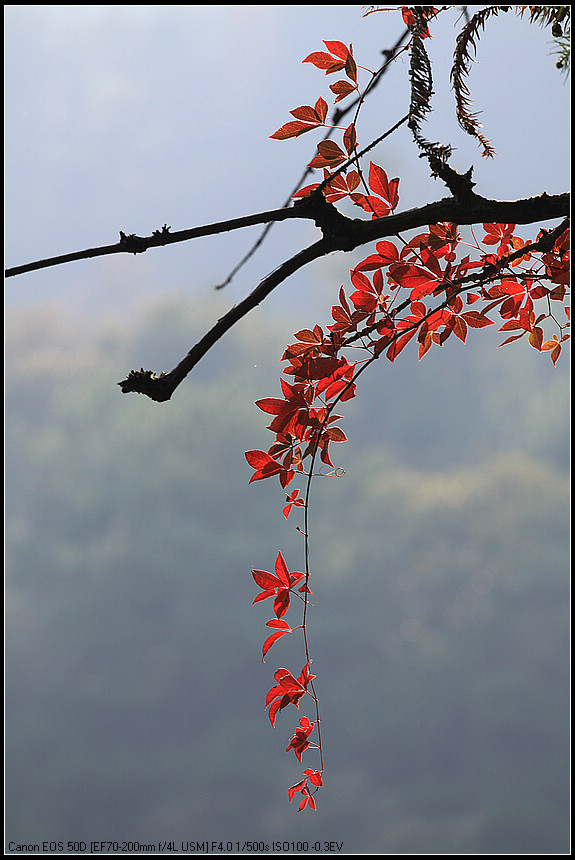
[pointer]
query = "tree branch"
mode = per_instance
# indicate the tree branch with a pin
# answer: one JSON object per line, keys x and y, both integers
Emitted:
{"x": 472, "y": 210}
{"x": 161, "y": 388}
{"x": 345, "y": 234}
{"x": 340, "y": 233}
{"x": 352, "y": 231}
{"x": 132, "y": 244}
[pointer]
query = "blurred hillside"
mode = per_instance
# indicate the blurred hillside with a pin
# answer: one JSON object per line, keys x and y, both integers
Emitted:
{"x": 135, "y": 691}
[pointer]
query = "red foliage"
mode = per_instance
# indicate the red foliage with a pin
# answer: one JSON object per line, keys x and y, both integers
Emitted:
{"x": 416, "y": 290}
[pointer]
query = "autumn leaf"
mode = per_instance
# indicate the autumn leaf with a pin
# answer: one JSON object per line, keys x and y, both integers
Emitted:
{"x": 306, "y": 119}
{"x": 276, "y": 585}
{"x": 291, "y": 412}
{"x": 299, "y": 741}
{"x": 342, "y": 89}
{"x": 380, "y": 185}
{"x": 329, "y": 155}
{"x": 292, "y": 501}
{"x": 335, "y": 61}
{"x": 264, "y": 465}
{"x": 476, "y": 319}
{"x": 288, "y": 690}
{"x": 498, "y": 234}
{"x": 283, "y": 628}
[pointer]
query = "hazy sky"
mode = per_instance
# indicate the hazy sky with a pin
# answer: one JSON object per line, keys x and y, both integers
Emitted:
{"x": 129, "y": 117}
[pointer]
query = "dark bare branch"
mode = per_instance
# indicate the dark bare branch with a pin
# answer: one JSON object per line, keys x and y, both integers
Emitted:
{"x": 161, "y": 388}
{"x": 344, "y": 234}
{"x": 352, "y": 232}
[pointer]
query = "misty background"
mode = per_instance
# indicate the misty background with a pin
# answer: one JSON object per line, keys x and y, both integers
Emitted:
{"x": 135, "y": 689}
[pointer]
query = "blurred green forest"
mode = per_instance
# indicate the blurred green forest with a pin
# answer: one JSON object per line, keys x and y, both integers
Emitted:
{"x": 135, "y": 689}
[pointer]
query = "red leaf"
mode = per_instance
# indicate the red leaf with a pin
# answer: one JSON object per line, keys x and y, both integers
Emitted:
{"x": 329, "y": 155}
{"x": 276, "y": 585}
{"x": 295, "y": 789}
{"x": 314, "y": 776}
{"x": 475, "y": 319}
{"x": 460, "y": 328}
{"x": 351, "y": 68}
{"x": 377, "y": 207}
{"x": 350, "y": 139}
{"x": 283, "y": 629}
{"x": 265, "y": 465}
{"x": 299, "y": 741}
{"x": 291, "y": 501}
{"x": 325, "y": 62}
{"x": 282, "y": 572}
{"x": 306, "y": 191}
{"x": 498, "y": 233}
{"x": 536, "y": 338}
{"x": 380, "y": 185}
{"x": 399, "y": 344}
{"x": 341, "y": 89}
{"x": 258, "y": 459}
{"x": 338, "y": 49}
{"x": 292, "y": 129}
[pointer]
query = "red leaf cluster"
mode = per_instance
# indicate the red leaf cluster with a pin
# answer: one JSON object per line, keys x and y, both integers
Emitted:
{"x": 420, "y": 290}
{"x": 315, "y": 777}
{"x": 288, "y": 691}
{"x": 278, "y": 585}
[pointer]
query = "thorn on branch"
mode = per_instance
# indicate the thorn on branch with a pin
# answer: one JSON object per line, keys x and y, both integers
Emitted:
{"x": 132, "y": 243}
{"x": 158, "y": 388}
{"x": 163, "y": 232}
{"x": 460, "y": 184}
